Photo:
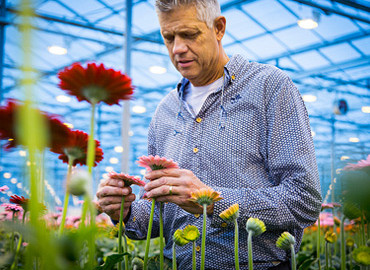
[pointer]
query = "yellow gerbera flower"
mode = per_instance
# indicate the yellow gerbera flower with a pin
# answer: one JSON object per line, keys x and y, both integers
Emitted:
{"x": 205, "y": 196}
{"x": 191, "y": 233}
{"x": 255, "y": 226}
{"x": 178, "y": 238}
{"x": 331, "y": 237}
{"x": 285, "y": 241}
{"x": 231, "y": 213}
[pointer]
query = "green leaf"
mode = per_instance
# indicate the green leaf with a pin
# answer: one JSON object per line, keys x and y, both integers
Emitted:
{"x": 111, "y": 261}
{"x": 307, "y": 264}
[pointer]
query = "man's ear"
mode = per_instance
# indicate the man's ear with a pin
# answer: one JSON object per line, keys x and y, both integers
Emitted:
{"x": 220, "y": 27}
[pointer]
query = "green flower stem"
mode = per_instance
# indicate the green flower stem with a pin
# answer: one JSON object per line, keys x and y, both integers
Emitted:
{"x": 194, "y": 258}
{"x": 15, "y": 262}
{"x": 120, "y": 230}
{"x": 161, "y": 239}
{"x": 236, "y": 244}
{"x": 292, "y": 251}
{"x": 342, "y": 245}
{"x": 66, "y": 196}
{"x": 330, "y": 257}
{"x": 318, "y": 242}
{"x": 250, "y": 253}
{"x": 203, "y": 254}
{"x": 148, "y": 236}
{"x": 174, "y": 264}
{"x": 326, "y": 257}
{"x": 350, "y": 259}
{"x": 12, "y": 237}
{"x": 24, "y": 216}
{"x": 363, "y": 229}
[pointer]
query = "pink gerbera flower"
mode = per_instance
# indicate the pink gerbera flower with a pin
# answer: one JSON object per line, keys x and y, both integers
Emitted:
{"x": 127, "y": 179}
{"x": 152, "y": 163}
{"x": 362, "y": 164}
{"x": 12, "y": 207}
{"x": 4, "y": 188}
{"x": 329, "y": 206}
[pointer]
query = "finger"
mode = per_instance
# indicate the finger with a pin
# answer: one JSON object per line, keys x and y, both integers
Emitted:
{"x": 116, "y": 200}
{"x": 115, "y": 182}
{"x": 164, "y": 190}
{"x": 160, "y": 173}
{"x": 113, "y": 191}
{"x": 165, "y": 180}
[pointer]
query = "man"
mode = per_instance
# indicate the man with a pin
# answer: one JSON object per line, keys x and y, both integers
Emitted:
{"x": 238, "y": 127}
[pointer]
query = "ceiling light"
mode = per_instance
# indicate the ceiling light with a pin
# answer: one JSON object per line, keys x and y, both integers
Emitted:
{"x": 139, "y": 109}
{"x": 19, "y": 185}
{"x": 68, "y": 125}
{"x": 22, "y": 153}
{"x": 143, "y": 171}
{"x": 109, "y": 169}
{"x": 365, "y": 109}
{"x": 309, "y": 98}
{"x": 157, "y": 70}
{"x": 13, "y": 180}
{"x": 344, "y": 158}
{"x": 354, "y": 139}
{"x": 63, "y": 98}
{"x": 310, "y": 22}
{"x": 7, "y": 175}
{"x": 118, "y": 149}
{"x": 57, "y": 50}
{"x": 313, "y": 133}
{"x": 130, "y": 133}
{"x": 113, "y": 160}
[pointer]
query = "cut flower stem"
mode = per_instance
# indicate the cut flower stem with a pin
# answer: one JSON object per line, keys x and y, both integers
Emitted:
{"x": 149, "y": 233}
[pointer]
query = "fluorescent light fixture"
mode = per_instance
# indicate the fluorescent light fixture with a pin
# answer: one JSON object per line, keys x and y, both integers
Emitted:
{"x": 344, "y": 158}
{"x": 57, "y": 50}
{"x": 309, "y": 98}
{"x": 113, "y": 160}
{"x": 310, "y": 22}
{"x": 157, "y": 70}
{"x": 13, "y": 180}
{"x": 130, "y": 133}
{"x": 313, "y": 133}
{"x": 118, "y": 149}
{"x": 63, "y": 98}
{"x": 22, "y": 153}
{"x": 143, "y": 171}
{"x": 68, "y": 125}
{"x": 19, "y": 185}
{"x": 365, "y": 109}
{"x": 7, "y": 175}
{"x": 138, "y": 109}
{"x": 354, "y": 139}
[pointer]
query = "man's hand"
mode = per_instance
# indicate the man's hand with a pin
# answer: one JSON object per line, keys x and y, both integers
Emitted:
{"x": 182, "y": 183}
{"x": 110, "y": 194}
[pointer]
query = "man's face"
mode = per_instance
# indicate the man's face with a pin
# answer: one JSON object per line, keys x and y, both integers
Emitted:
{"x": 193, "y": 47}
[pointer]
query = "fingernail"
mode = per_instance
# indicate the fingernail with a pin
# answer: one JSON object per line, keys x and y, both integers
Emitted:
{"x": 121, "y": 184}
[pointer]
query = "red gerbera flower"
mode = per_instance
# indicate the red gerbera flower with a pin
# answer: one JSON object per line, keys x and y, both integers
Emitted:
{"x": 58, "y": 132}
{"x": 77, "y": 149}
{"x": 95, "y": 83}
{"x": 21, "y": 201}
{"x": 152, "y": 163}
{"x": 127, "y": 179}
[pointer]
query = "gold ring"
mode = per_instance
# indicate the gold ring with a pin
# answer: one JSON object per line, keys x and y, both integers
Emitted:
{"x": 170, "y": 191}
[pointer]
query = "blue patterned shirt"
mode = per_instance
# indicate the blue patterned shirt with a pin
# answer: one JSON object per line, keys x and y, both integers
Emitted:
{"x": 251, "y": 141}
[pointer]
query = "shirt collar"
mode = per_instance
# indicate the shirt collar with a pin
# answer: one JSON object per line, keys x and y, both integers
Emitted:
{"x": 230, "y": 69}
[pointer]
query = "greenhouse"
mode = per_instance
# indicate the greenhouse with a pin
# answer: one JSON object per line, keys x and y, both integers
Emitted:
{"x": 184, "y": 134}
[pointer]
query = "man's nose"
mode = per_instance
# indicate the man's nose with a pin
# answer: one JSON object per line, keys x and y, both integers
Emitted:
{"x": 179, "y": 46}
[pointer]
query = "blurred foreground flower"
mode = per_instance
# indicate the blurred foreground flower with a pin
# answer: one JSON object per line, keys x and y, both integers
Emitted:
{"x": 286, "y": 241}
{"x": 78, "y": 185}
{"x": 95, "y": 83}
{"x": 4, "y": 188}
{"x": 153, "y": 163}
{"x": 254, "y": 227}
{"x": 362, "y": 255}
{"x": 12, "y": 207}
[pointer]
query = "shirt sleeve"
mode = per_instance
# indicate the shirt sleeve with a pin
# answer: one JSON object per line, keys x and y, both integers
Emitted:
{"x": 137, "y": 224}
{"x": 295, "y": 200}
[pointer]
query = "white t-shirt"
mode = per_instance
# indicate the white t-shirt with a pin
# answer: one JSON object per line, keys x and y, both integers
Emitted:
{"x": 197, "y": 95}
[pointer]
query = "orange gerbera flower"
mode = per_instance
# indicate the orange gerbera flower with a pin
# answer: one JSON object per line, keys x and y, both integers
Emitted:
{"x": 77, "y": 149}
{"x": 127, "y": 179}
{"x": 231, "y": 213}
{"x": 95, "y": 83}
{"x": 152, "y": 163}
{"x": 205, "y": 196}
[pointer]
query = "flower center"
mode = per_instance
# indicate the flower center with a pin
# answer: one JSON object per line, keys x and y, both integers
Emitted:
{"x": 94, "y": 94}
{"x": 155, "y": 167}
{"x": 74, "y": 152}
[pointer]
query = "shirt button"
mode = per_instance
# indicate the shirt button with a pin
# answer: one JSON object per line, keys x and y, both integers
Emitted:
{"x": 198, "y": 119}
{"x": 195, "y": 150}
{"x": 233, "y": 77}
{"x": 197, "y": 248}
{"x": 224, "y": 224}
{"x": 134, "y": 219}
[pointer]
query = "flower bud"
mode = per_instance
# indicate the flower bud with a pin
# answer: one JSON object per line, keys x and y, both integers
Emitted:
{"x": 331, "y": 237}
{"x": 178, "y": 238}
{"x": 285, "y": 241}
{"x": 255, "y": 226}
{"x": 78, "y": 184}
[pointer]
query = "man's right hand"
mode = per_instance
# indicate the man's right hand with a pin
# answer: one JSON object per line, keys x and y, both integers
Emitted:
{"x": 110, "y": 192}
